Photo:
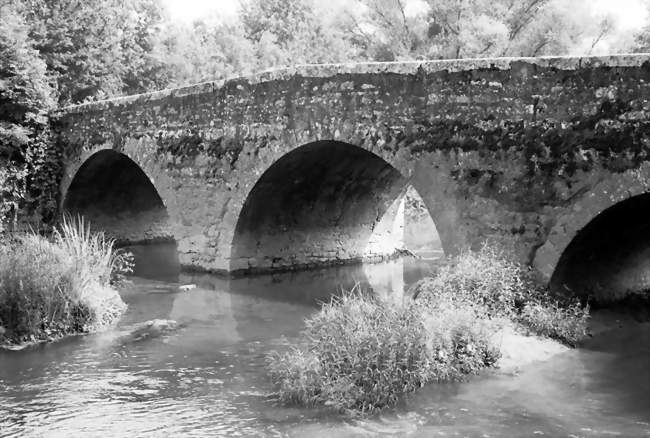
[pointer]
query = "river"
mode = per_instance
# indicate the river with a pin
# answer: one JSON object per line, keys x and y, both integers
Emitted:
{"x": 207, "y": 377}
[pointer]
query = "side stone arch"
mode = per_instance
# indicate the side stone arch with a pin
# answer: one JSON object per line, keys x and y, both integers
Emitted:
{"x": 138, "y": 213}
{"x": 612, "y": 189}
{"x": 141, "y": 151}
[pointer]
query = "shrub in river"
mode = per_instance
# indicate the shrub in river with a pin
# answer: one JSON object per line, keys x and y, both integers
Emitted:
{"x": 490, "y": 278}
{"x": 361, "y": 353}
{"x": 486, "y": 277}
{"x": 49, "y": 288}
{"x": 566, "y": 322}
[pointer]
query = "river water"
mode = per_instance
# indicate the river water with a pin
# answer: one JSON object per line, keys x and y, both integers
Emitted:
{"x": 207, "y": 377}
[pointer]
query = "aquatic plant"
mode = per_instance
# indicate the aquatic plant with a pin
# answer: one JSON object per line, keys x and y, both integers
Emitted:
{"x": 361, "y": 353}
{"x": 52, "y": 287}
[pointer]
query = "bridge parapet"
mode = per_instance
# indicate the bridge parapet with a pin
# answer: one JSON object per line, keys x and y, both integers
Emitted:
{"x": 567, "y": 63}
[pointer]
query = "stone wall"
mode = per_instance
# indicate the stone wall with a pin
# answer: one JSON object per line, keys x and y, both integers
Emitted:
{"x": 520, "y": 151}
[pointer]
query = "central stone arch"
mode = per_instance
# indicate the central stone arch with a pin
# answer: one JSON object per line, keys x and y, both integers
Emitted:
{"x": 323, "y": 203}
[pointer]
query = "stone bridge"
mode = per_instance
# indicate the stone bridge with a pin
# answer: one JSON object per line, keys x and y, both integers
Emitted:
{"x": 306, "y": 166}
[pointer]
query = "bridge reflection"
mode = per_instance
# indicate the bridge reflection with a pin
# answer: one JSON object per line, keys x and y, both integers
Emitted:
{"x": 223, "y": 311}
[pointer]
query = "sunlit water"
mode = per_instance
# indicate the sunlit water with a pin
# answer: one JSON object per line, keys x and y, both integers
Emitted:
{"x": 207, "y": 377}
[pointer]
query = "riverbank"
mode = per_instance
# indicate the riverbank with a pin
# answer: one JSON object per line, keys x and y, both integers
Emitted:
{"x": 56, "y": 287}
{"x": 520, "y": 349}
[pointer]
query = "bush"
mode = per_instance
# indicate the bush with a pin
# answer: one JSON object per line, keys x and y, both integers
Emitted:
{"x": 360, "y": 353}
{"x": 564, "y": 322}
{"x": 487, "y": 278}
{"x": 491, "y": 279}
{"x": 49, "y": 288}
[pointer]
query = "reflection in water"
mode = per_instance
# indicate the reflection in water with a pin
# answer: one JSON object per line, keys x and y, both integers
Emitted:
{"x": 206, "y": 377}
{"x": 157, "y": 260}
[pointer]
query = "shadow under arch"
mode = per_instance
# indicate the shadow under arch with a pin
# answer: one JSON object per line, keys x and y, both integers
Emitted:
{"x": 324, "y": 203}
{"x": 610, "y": 257}
{"x": 115, "y": 196}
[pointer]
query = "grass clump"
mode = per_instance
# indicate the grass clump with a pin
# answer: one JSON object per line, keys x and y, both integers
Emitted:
{"x": 506, "y": 289}
{"x": 50, "y": 288}
{"x": 361, "y": 353}
{"x": 485, "y": 278}
{"x": 566, "y": 322}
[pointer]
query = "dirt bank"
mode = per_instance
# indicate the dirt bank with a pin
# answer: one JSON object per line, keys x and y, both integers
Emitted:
{"x": 519, "y": 349}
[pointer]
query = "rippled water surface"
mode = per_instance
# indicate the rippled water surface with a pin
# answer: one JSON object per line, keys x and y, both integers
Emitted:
{"x": 207, "y": 378}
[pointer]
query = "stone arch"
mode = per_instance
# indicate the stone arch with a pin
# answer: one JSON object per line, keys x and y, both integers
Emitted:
{"x": 325, "y": 202}
{"x": 599, "y": 214}
{"x": 114, "y": 193}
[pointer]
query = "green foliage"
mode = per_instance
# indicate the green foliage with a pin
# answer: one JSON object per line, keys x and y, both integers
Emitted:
{"x": 95, "y": 256}
{"x": 489, "y": 278}
{"x": 98, "y": 48}
{"x": 360, "y": 353}
{"x": 204, "y": 52}
{"x": 443, "y": 29}
{"x": 642, "y": 40}
{"x": 49, "y": 288}
{"x": 565, "y": 322}
{"x": 28, "y": 163}
{"x": 285, "y": 19}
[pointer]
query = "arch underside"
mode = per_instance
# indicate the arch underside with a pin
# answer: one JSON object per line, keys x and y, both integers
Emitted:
{"x": 323, "y": 203}
{"x": 114, "y": 195}
{"x": 610, "y": 257}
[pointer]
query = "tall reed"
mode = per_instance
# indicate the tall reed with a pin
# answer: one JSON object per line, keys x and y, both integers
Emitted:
{"x": 52, "y": 287}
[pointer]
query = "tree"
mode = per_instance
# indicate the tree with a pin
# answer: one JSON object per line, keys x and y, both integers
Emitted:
{"x": 25, "y": 99}
{"x": 444, "y": 28}
{"x": 289, "y": 32}
{"x": 285, "y": 19}
{"x": 204, "y": 51}
{"x": 95, "y": 48}
{"x": 385, "y": 31}
{"x": 641, "y": 41}
{"x": 477, "y": 28}
{"x": 143, "y": 28}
